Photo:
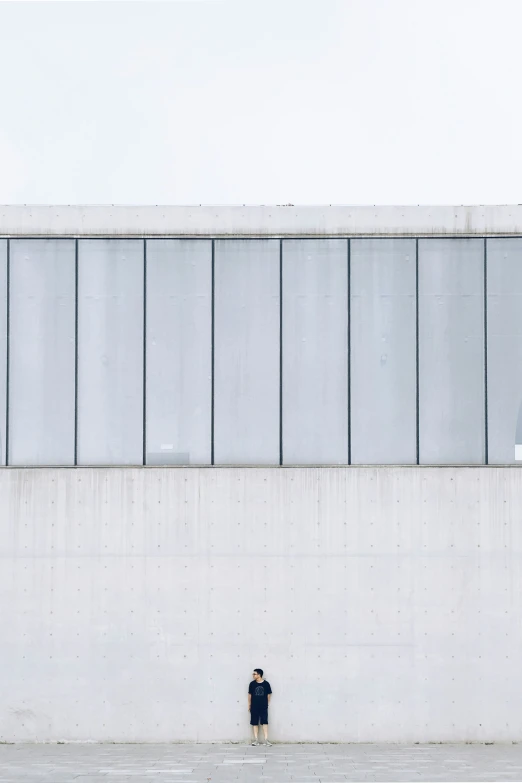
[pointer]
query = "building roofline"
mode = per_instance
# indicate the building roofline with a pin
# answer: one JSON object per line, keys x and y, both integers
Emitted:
{"x": 259, "y": 221}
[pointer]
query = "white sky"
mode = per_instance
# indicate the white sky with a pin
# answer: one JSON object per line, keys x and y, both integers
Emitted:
{"x": 285, "y": 101}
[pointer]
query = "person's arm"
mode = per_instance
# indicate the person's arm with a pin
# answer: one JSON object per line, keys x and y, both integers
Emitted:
{"x": 249, "y": 700}
{"x": 269, "y": 697}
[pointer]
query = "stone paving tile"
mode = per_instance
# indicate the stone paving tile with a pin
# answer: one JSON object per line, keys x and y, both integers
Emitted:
{"x": 214, "y": 763}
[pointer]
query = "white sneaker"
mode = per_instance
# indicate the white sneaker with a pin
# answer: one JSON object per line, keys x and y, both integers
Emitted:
{"x": 268, "y": 743}
{"x": 255, "y": 742}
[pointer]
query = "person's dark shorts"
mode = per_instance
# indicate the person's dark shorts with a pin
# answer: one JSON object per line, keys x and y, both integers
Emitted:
{"x": 258, "y": 716}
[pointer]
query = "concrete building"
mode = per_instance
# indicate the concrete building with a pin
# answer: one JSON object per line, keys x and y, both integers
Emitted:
{"x": 262, "y": 436}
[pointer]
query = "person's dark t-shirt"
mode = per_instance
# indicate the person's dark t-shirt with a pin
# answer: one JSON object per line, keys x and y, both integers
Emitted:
{"x": 259, "y": 692}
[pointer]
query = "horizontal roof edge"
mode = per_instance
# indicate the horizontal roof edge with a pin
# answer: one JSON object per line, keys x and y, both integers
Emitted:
{"x": 259, "y": 221}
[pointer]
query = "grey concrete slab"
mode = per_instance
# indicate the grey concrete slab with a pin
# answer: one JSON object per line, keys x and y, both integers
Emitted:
{"x": 127, "y": 603}
{"x": 215, "y": 763}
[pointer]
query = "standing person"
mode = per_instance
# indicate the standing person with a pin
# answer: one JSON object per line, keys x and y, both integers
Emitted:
{"x": 259, "y": 692}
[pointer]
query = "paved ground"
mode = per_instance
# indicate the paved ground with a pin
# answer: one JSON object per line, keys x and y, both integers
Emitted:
{"x": 278, "y": 764}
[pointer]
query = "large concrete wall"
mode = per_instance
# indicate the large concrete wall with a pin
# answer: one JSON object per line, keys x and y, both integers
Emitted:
{"x": 383, "y": 603}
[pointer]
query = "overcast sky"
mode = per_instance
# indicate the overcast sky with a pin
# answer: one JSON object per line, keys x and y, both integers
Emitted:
{"x": 292, "y": 101}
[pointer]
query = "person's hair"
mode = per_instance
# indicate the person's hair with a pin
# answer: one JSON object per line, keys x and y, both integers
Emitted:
{"x": 259, "y": 671}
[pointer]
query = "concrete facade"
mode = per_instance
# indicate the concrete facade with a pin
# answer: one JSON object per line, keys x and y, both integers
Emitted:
{"x": 383, "y": 603}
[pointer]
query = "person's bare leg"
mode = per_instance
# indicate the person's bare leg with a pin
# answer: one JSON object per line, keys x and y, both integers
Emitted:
{"x": 256, "y": 729}
{"x": 265, "y": 731}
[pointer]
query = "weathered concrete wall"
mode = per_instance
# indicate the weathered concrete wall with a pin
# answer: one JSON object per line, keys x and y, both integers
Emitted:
{"x": 383, "y": 603}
